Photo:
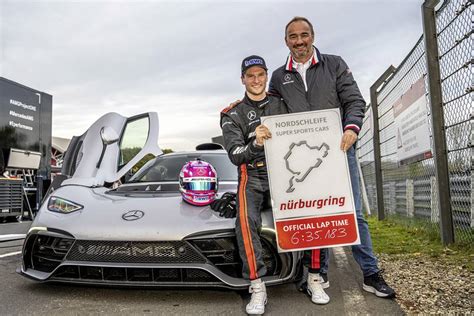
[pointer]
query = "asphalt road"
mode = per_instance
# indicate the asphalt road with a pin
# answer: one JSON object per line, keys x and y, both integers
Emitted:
{"x": 21, "y": 296}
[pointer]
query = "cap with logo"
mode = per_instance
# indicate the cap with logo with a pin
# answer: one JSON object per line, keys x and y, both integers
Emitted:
{"x": 251, "y": 61}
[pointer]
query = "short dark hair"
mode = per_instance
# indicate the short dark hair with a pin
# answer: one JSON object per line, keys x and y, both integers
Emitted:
{"x": 299, "y": 19}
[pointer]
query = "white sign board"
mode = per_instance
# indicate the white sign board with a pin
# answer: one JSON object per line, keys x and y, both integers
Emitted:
{"x": 411, "y": 124}
{"x": 312, "y": 201}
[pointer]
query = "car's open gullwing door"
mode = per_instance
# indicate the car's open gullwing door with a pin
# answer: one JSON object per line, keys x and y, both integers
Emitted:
{"x": 110, "y": 148}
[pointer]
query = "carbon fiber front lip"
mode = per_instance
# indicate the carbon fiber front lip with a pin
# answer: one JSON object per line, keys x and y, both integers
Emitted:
{"x": 226, "y": 281}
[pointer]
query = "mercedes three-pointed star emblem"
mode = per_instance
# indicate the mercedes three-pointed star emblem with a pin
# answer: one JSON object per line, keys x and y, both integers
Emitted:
{"x": 133, "y": 215}
{"x": 252, "y": 115}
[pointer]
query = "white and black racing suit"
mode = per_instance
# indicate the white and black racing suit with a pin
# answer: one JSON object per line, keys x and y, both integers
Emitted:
{"x": 238, "y": 125}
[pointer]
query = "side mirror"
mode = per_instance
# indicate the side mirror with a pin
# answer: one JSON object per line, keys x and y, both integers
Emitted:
{"x": 108, "y": 136}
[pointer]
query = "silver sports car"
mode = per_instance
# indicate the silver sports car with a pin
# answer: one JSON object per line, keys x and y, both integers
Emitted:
{"x": 94, "y": 229}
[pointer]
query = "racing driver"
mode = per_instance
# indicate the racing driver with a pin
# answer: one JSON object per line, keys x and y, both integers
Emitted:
{"x": 244, "y": 139}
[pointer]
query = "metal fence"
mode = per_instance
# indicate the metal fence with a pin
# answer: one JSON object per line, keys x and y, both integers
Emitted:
{"x": 410, "y": 190}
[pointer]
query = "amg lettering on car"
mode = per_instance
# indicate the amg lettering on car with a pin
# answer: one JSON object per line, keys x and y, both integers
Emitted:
{"x": 133, "y": 251}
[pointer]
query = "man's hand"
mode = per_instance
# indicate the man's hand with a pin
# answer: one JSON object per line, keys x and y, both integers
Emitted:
{"x": 261, "y": 134}
{"x": 348, "y": 139}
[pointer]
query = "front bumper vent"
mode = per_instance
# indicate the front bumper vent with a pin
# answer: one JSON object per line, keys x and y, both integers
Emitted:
{"x": 46, "y": 252}
{"x": 133, "y": 275}
{"x": 134, "y": 252}
{"x": 224, "y": 254}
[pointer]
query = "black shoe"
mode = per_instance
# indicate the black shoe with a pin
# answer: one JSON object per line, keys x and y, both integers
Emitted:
{"x": 375, "y": 284}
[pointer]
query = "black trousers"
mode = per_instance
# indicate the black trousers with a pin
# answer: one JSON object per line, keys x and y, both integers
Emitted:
{"x": 253, "y": 196}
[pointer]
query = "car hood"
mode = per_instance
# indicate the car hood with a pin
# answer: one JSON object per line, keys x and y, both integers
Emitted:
{"x": 165, "y": 217}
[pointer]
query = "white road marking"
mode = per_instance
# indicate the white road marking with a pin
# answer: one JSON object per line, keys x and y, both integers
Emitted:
{"x": 354, "y": 301}
{"x": 10, "y": 254}
{"x": 10, "y": 237}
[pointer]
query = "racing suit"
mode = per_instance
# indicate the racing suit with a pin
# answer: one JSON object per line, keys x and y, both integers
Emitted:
{"x": 238, "y": 125}
{"x": 329, "y": 84}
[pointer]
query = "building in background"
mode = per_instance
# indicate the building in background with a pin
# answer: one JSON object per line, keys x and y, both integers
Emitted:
{"x": 25, "y": 147}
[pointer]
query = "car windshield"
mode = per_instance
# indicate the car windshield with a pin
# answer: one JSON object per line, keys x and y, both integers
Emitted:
{"x": 167, "y": 167}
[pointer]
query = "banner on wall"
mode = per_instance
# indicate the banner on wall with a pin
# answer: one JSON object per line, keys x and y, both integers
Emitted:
{"x": 411, "y": 125}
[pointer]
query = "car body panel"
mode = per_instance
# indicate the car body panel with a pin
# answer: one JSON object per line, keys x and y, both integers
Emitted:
{"x": 86, "y": 171}
{"x": 173, "y": 219}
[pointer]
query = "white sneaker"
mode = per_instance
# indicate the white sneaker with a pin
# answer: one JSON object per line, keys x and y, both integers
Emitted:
{"x": 324, "y": 280}
{"x": 256, "y": 306}
{"x": 315, "y": 289}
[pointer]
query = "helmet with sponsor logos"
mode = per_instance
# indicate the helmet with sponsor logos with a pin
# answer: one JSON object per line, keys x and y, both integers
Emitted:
{"x": 198, "y": 183}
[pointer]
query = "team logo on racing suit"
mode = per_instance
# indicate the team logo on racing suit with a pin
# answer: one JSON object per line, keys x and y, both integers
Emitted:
{"x": 133, "y": 215}
{"x": 251, "y": 115}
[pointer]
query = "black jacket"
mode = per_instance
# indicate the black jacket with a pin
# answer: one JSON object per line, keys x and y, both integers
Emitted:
{"x": 330, "y": 85}
{"x": 238, "y": 125}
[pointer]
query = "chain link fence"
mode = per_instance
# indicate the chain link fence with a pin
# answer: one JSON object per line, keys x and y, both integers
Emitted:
{"x": 409, "y": 184}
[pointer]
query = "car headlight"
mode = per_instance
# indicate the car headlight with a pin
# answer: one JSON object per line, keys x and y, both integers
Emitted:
{"x": 60, "y": 205}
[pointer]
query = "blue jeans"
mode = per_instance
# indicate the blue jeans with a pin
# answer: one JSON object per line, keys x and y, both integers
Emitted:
{"x": 362, "y": 253}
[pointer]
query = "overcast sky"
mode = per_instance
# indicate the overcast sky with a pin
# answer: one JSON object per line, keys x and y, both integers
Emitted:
{"x": 182, "y": 58}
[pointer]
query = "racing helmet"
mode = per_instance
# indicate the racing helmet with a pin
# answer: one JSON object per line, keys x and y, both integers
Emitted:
{"x": 198, "y": 182}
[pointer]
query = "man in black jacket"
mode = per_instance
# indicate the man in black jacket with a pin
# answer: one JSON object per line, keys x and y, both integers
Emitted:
{"x": 311, "y": 81}
{"x": 243, "y": 139}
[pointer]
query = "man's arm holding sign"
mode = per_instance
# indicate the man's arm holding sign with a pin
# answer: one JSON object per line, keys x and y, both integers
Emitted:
{"x": 352, "y": 103}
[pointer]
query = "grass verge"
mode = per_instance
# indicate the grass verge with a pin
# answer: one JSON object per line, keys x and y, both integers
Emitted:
{"x": 392, "y": 236}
